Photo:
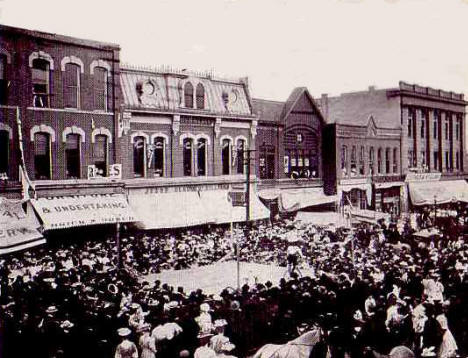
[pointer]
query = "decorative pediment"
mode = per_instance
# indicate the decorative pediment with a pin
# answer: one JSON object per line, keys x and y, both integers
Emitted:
{"x": 371, "y": 127}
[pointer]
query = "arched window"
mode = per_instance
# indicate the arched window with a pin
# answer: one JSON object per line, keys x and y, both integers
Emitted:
{"x": 240, "y": 156}
{"x": 42, "y": 156}
{"x": 201, "y": 156}
{"x": 100, "y": 151}
{"x": 71, "y": 86}
{"x": 187, "y": 156}
{"x": 40, "y": 82}
{"x": 353, "y": 161}
{"x": 361, "y": 161}
{"x": 226, "y": 156}
{"x": 72, "y": 156}
{"x": 139, "y": 150}
{"x": 200, "y": 95}
{"x": 100, "y": 76}
{"x": 4, "y": 151}
{"x": 188, "y": 95}
{"x": 158, "y": 155}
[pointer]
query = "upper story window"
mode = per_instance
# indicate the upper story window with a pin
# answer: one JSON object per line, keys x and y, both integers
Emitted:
{"x": 101, "y": 84}
{"x": 457, "y": 128}
{"x": 410, "y": 122}
{"x": 201, "y": 156}
{"x": 72, "y": 156}
{"x": 200, "y": 96}
{"x": 446, "y": 129}
{"x": 423, "y": 123}
{"x": 344, "y": 160}
{"x": 387, "y": 160}
{"x": 139, "y": 150}
{"x": 371, "y": 160}
{"x": 395, "y": 160}
{"x": 41, "y": 82}
{"x": 240, "y": 156}
{"x": 353, "y": 161}
{"x": 379, "y": 160}
{"x": 4, "y": 151}
{"x": 42, "y": 156}
{"x": 188, "y": 95}
{"x": 159, "y": 153}
{"x": 187, "y": 156}
{"x": 361, "y": 161}
{"x": 100, "y": 153}
{"x": 3, "y": 80}
{"x": 435, "y": 124}
{"x": 226, "y": 156}
{"x": 71, "y": 86}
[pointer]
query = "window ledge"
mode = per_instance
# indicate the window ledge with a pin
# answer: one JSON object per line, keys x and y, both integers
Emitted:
{"x": 68, "y": 110}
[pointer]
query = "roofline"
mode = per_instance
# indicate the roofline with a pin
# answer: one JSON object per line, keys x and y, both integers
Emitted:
{"x": 405, "y": 93}
{"x": 268, "y": 100}
{"x": 60, "y": 38}
{"x": 190, "y": 113}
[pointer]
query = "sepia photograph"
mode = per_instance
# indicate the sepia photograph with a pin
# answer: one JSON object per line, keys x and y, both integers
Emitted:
{"x": 234, "y": 179}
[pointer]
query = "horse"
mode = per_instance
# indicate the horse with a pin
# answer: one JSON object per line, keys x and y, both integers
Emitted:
{"x": 297, "y": 348}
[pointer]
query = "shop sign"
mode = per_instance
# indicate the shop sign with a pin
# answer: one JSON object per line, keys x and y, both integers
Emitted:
{"x": 178, "y": 189}
{"x": 422, "y": 177}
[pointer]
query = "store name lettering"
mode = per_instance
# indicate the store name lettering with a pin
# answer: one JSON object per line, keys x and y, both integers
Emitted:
{"x": 79, "y": 207}
{"x": 185, "y": 189}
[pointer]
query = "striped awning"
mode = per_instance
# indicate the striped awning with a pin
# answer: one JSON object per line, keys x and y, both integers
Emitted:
{"x": 18, "y": 229}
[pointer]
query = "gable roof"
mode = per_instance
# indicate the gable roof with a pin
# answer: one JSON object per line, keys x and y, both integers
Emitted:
{"x": 276, "y": 111}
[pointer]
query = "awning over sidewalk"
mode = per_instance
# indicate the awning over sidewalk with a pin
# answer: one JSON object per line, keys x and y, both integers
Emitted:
{"x": 18, "y": 230}
{"x": 438, "y": 192}
{"x": 62, "y": 212}
{"x": 369, "y": 216}
{"x": 296, "y": 199}
{"x": 321, "y": 218}
{"x": 182, "y": 209}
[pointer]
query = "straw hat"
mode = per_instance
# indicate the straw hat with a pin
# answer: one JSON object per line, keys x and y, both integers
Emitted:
{"x": 51, "y": 309}
{"x": 124, "y": 332}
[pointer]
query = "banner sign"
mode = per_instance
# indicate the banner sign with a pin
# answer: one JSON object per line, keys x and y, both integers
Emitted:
{"x": 423, "y": 177}
{"x": 115, "y": 171}
{"x": 18, "y": 230}
{"x": 81, "y": 210}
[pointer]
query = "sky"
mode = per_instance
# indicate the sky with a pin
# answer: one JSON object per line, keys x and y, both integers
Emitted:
{"x": 329, "y": 46}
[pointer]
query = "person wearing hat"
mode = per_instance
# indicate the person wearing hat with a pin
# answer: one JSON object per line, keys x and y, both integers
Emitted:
{"x": 448, "y": 347}
{"x": 147, "y": 341}
{"x": 204, "y": 320}
{"x": 220, "y": 344}
{"x": 126, "y": 348}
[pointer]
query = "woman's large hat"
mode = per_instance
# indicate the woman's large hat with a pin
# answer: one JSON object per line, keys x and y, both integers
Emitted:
{"x": 124, "y": 332}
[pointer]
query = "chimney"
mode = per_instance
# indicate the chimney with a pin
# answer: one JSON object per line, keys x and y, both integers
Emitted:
{"x": 371, "y": 89}
{"x": 324, "y": 106}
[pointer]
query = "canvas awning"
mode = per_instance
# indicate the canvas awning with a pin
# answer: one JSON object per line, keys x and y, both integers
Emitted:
{"x": 62, "y": 212}
{"x": 369, "y": 216}
{"x": 18, "y": 229}
{"x": 438, "y": 192}
{"x": 296, "y": 199}
{"x": 321, "y": 218}
{"x": 388, "y": 185}
{"x": 191, "y": 208}
{"x": 269, "y": 194}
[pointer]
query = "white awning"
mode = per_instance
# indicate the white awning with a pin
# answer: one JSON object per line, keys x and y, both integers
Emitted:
{"x": 269, "y": 194}
{"x": 18, "y": 229}
{"x": 61, "y": 212}
{"x": 388, "y": 185}
{"x": 182, "y": 209}
{"x": 321, "y": 218}
{"x": 438, "y": 192}
{"x": 296, "y": 199}
{"x": 369, "y": 216}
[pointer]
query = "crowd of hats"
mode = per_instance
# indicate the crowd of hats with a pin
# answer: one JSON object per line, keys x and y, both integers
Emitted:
{"x": 370, "y": 288}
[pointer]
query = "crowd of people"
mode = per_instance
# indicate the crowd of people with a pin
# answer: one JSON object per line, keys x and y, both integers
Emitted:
{"x": 370, "y": 289}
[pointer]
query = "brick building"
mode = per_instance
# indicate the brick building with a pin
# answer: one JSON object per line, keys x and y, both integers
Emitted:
{"x": 65, "y": 92}
{"x": 188, "y": 135}
{"x": 289, "y": 152}
{"x": 386, "y": 141}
